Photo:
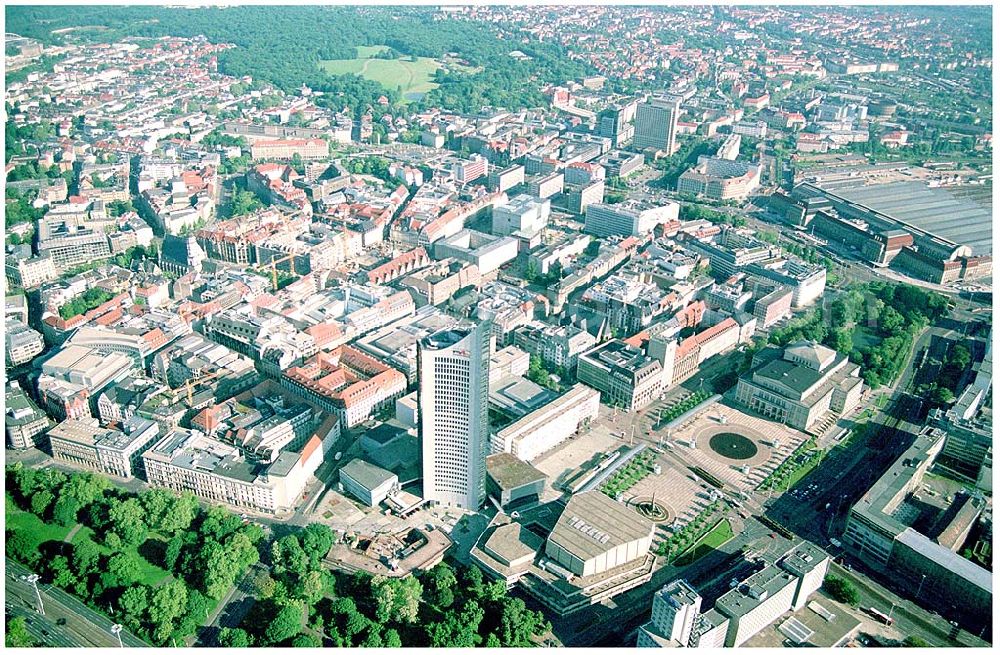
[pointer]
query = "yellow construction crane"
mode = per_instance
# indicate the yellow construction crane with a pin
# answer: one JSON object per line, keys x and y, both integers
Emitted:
{"x": 202, "y": 379}
{"x": 274, "y": 268}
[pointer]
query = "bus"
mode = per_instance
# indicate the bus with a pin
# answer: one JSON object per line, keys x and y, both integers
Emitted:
{"x": 881, "y": 617}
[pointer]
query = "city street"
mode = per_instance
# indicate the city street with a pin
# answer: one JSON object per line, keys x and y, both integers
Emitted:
{"x": 82, "y": 625}
{"x": 909, "y": 619}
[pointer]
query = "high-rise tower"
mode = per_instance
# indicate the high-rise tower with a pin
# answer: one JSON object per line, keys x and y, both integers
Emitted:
{"x": 656, "y": 124}
{"x": 453, "y": 369}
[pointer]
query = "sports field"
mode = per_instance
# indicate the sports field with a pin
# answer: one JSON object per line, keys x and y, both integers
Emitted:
{"x": 411, "y": 74}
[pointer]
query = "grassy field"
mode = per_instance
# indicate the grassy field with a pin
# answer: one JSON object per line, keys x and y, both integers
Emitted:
{"x": 802, "y": 472}
{"x": 149, "y": 573}
{"x": 412, "y": 75}
{"x": 29, "y": 524}
{"x": 40, "y": 532}
{"x": 714, "y": 538}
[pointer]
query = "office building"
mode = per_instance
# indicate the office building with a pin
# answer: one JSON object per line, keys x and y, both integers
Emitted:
{"x": 546, "y": 186}
{"x": 807, "y": 281}
{"x": 577, "y": 197}
{"x": 558, "y": 346}
{"x": 22, "y": 343}
{"x": 622, "y": 164}
{"x": 773, "y": 307}
{"x": 624, "y": 375}
{"x": 71, "y": 249}
{"x": 675, "y": 609}
{"x": 629, "y": 218}
{"x": 28, "y": 273}
{"x": 187, "y": 460}
{"x": 766, "y": 595}
{"x": 752, "y": 604}
{"x": 616, "y": 123}
{"x": 541, "y": 430}
{"x": 466, "y": 171}
{"x": 656, "y": 124}
{"x": 82, "y": 442}
{"x": 452, "y": 404}
{"x": 507, "y": 178}
{"x": 882, "y": 532}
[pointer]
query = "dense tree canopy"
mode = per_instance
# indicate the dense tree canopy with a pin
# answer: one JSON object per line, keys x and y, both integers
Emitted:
{"x": 305, "y": 36}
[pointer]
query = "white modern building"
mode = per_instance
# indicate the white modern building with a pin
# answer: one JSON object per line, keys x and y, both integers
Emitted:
{"x": 452, "y": 405}
{"x": 751, "y": 605}
{"x": 524, "y": 214}
{"x": 548, "y": 426}
{"x": 675, "y": 609}
{"x": 628, "y": 218}
{"x": 596, "y": 534}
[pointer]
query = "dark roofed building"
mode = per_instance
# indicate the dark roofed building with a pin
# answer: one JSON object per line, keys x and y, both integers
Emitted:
{"x": 801, "y": 385}
{"x": 367, "y": 482}
{"x": 510, "y": 480}
{"x": 181, "y": 255}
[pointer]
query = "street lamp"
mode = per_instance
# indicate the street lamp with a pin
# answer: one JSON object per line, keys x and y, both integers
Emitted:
{"x": 32, "y": 579}
{"x": 923, "y": 576}
{"x": 116, "y": 630}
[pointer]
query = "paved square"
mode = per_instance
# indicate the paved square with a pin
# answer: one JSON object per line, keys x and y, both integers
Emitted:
{"x": 584, "y": 450}
{"x": 698, "y": 442}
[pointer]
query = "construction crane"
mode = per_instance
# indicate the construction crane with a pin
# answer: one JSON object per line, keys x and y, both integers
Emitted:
{"x": 189, "y": 384}
{"x": 274, "y": 268}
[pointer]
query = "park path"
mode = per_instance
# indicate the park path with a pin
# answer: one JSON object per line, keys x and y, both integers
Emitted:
{"x": 72, "y": 533}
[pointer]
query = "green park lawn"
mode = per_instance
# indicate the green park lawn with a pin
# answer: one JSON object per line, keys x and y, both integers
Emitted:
{"x": 40, "y": 532}
{"x": 149, "y": 573}
{"x": 714, "y": 538}
{"x": 413, "y": 75}
{"x": 29, "y": 524}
